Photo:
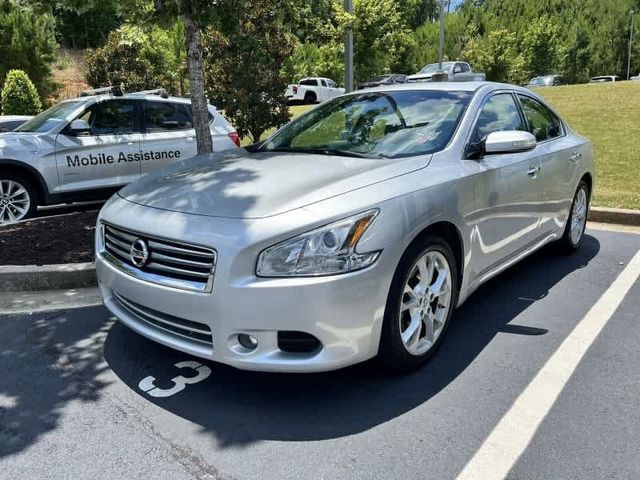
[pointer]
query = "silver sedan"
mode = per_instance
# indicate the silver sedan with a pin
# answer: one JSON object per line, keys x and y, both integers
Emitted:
{"x": 353, "y": 232}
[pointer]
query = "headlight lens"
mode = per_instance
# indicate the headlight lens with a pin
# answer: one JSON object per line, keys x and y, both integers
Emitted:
{"x": 328, "y": 250}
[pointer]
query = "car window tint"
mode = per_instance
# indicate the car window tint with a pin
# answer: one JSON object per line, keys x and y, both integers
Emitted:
{"x": 165, "y": 116}
{"x": 465, "y": 67}
{"x": 309, "y": 82}
{"x": 543, "y": 124}
{"x": 332, "y": 84}
{"x": 111, "y": 117}
{"x": 391, "y": 124}
{"x": 324, "y": 83}
{"x": 500, "y": 113}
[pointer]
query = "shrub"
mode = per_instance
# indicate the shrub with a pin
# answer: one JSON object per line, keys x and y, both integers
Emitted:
{"x": 19, "y": 95}
{"x": 135, "y": 59}
{"x": 27, "y": 42}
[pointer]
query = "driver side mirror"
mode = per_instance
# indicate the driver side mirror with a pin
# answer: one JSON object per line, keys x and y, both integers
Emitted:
{"x": 510, "y": 141}
{"x": 79, "y": 127}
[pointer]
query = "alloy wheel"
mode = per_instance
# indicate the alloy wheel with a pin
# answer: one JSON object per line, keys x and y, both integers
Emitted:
{"x": 14, "y": 201}
{"x": 579, "y": 216}
{"x": 425, "y": 303}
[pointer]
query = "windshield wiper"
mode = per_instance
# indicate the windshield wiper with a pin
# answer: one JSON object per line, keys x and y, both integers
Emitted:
{"x": 328, "y": 151}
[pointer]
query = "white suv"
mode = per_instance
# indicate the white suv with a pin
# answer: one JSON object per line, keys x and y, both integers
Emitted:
{"x": 87, "y": 148}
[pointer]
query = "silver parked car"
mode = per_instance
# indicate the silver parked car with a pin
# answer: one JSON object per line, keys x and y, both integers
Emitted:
{"x": 354, "y": 231}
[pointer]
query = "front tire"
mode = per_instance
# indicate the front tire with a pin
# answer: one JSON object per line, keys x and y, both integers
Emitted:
{"x": 577, "y": 221}
{"x": 18, "y": 199}
{"x": 422, "y": 297}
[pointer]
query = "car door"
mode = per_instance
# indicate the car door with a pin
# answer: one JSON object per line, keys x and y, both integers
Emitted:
{"x": 168, "y": 135}
{"x": 559, "y": 156}
{"x": 107, "y": 153}
{"x": 507, "y": 190}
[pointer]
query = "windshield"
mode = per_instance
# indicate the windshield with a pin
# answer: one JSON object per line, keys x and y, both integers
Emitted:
{"x": 433, "y": 68}
{"x": 541, "y": 81}
{"x": 49, "y": 119}
{"x": 376, "y": 125}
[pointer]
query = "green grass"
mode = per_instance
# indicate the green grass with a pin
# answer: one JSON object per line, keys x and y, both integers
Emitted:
{"x": 609, "y": 115}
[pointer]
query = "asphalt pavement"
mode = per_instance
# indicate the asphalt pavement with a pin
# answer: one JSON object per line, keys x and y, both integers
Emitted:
{"x": 82, "y": 396}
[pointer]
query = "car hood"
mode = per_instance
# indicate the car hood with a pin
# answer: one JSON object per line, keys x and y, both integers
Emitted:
{"x": 258, "y": 185}
{"x": 12, "y": 143}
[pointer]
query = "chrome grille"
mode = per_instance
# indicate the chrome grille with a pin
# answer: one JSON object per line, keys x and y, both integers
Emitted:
{"x": 169, "y": 263}
{"x": 186, "y": 329}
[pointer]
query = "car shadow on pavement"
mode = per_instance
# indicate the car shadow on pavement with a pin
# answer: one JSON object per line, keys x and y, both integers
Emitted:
{"x": 239, "y": 407}
{"x": 47, "y": 361}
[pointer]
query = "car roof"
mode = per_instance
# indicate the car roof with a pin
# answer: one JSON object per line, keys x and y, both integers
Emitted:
{"x": 444, "y": 86}
{"x": 132, "y": 96}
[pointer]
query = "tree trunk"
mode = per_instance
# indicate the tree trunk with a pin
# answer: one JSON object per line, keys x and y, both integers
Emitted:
{"x": 199, "y": 105}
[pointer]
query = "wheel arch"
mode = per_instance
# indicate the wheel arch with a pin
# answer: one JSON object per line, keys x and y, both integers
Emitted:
{"x": 30, "y": 173}
{"x": 451, "y": 234}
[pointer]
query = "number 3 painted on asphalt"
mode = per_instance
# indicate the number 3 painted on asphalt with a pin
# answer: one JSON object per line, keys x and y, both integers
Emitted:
{"x": 180, "y": 382}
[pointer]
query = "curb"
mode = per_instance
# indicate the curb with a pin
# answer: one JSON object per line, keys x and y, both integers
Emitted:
{"x": 48, "y": 277}
{"x": 615, "y": 215}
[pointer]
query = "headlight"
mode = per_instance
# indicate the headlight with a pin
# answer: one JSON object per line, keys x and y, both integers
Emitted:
{"x": 328, "y": 250}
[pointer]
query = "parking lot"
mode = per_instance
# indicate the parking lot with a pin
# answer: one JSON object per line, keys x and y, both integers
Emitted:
{"x": 77, "y": 400}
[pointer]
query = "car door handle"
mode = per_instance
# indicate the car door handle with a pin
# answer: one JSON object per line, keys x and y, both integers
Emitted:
{"x": 533, "y": 170}
{"x": 575, "y": 157}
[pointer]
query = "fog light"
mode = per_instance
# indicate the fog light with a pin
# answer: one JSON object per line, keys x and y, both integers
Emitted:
{"x": 247, "y": 341}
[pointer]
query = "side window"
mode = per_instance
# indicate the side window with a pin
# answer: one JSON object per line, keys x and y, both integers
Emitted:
{"x": 457, "y": 68}
{"x": 465, "y": 67}
{"x": 543, "y": 124}
{"x": 332, "y": 84}
{"x": 324, "y": 83}
{"x": 498, "y": 114}
{"x": 309, "y": 82}
{"x": 165, "y": 116}
{"x": 112, "y": 117}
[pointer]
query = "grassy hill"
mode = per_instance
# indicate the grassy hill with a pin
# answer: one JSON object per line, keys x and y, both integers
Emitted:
{"x": 609, "y": 115}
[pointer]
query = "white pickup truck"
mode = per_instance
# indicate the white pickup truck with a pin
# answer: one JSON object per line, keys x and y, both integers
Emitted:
{"x": 456, "y": 72}
{"x": 313, "y": 90}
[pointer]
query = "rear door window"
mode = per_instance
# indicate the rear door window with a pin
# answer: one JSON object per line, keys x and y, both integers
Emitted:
{"x": 543, "y": 124}
{"x": 167, "y": 116}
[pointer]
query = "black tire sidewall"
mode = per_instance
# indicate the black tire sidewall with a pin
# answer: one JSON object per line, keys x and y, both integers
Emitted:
{"x": 567, "y": 241}
{"x": 392, "y": 352}
{"x": 28, "y": 186}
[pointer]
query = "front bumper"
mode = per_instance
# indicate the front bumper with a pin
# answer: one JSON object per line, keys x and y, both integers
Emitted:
{"x": 343, "y": 312}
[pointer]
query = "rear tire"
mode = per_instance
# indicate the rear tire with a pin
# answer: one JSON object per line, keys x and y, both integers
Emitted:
{"x": 18, "y": 199}
{"x": 421, "y": 301}
{"x": 577, "y": 221}
{"x": 310, "y": 98}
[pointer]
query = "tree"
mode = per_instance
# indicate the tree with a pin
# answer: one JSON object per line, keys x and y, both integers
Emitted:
{"x": 188, "y": 11}
{"x": 543, "y": 47}
{"x": 136, "y": 59}
{"x": 382, "y": 37}
{"x": 245, "y": 51}
{"x": 497, "y": 56}
{"x": 27, "y": 42}
{"x": 19, "y": 95}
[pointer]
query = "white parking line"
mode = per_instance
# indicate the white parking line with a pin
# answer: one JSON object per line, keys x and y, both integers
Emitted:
{"x": 509, "y": 439}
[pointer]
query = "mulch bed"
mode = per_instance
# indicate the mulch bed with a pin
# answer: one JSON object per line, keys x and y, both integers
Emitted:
{"x": 49, "y": 241}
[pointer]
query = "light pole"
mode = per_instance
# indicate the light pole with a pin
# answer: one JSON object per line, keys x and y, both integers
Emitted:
{"x": 630, "y": 45}
{"x": 348, "y": 51}
{"x": 441, "y": 41}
